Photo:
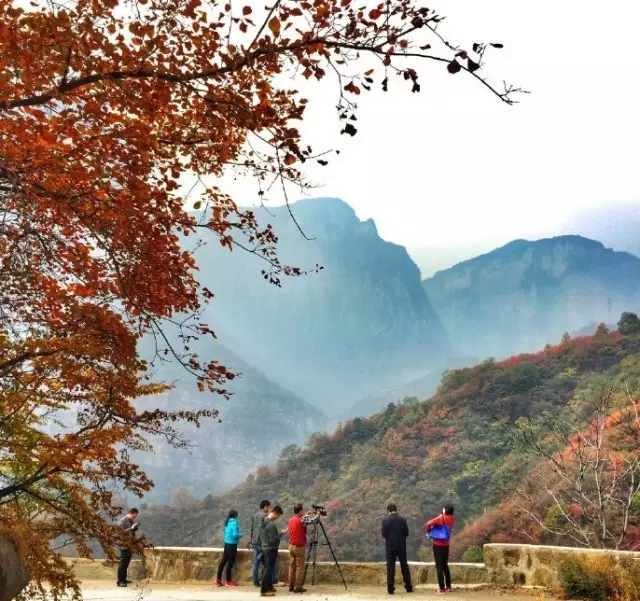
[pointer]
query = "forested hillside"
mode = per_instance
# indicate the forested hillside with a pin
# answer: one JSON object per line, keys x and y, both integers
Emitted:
{"x": 458, "y": 446}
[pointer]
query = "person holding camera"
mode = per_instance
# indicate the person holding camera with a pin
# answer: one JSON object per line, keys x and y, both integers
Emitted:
{"x": 269, "y": 541}
{"x": 297, "y": 528}
{"x": 129, "y": 526}
{"x": 395, "y": 532}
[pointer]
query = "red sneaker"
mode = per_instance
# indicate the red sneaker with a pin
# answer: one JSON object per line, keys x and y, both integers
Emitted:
{"x": 232, "y": 583}
{"x": 448, "y": 590}
{"x": 219, "y": 582}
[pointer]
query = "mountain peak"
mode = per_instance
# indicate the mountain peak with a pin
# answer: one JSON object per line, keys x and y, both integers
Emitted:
{"x": 360, "y": 325}
{"x": 324, "y": 206}
{"x": 521, "y": 245}
{"x": 528, "y": 292}
{"x": 571, "y": 239}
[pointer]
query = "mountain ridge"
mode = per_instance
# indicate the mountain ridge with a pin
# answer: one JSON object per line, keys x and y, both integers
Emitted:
{"x": 260, "y": 418}
{"x": 526, "y": 293}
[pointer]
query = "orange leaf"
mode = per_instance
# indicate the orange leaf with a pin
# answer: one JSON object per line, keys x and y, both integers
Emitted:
{"x": 274, "y": 26}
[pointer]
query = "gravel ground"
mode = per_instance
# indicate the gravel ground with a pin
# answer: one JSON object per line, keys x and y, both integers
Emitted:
{"x": 166, "y": 592}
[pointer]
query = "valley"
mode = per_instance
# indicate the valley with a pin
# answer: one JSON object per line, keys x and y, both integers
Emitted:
{"x": 363, "y": 332}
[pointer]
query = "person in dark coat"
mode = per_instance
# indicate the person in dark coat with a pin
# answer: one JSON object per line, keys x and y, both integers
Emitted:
{"x": 395, "y": 532}
{"x": 269, "y": 540}
{"x": 128, "y": 524}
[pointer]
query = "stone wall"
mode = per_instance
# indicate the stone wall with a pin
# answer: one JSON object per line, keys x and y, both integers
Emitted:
{"x": 521, "y": 565}
{"x": 534, "y": 565}
{"x": 191, "y": 564}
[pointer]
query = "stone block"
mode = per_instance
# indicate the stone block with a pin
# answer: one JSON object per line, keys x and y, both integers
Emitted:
{"x": 535, "y": 565}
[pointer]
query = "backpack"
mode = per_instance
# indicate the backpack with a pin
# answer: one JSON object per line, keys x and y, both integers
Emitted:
{"x": 440, "y": 532}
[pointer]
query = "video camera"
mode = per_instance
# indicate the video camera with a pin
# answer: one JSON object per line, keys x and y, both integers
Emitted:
{"x": 320, "y": 510}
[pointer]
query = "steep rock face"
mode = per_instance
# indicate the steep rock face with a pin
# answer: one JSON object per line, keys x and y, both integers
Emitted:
{"x": 361, "y": 325}
{"x": 526, "y": 294}
{"x": 258, "y": 420}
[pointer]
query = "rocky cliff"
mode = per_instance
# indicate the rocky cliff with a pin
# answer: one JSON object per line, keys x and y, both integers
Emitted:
{"x": 361, "y": 325}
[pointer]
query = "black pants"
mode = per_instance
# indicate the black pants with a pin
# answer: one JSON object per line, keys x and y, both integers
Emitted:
{"x": 441, "y": 557}
{"x": 271, "y": 557}
{"x": 401, "y": 555}
{"x": 123, "y": 566}
{"x": 228, "y": 558}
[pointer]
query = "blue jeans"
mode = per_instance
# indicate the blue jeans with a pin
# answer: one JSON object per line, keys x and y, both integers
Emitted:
{"x": 259, "y": 558}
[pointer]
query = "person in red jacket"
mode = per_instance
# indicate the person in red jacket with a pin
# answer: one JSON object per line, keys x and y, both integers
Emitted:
{"x": 297, "y": 529}
{"x": 439, "y": 531}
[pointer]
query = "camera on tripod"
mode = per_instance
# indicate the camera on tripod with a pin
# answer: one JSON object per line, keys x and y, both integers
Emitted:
{"x": 320, "y": 510}
{"x": 318, "y": 528}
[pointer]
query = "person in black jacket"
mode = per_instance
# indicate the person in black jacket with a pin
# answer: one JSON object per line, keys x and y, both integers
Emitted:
{"x": 395, "y": 532}
{"x": 269, "y": 540}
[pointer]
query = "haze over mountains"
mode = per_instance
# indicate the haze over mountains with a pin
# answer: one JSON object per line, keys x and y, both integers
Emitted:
{"x": 365, "y": 331}
{"x": 526, "y": 294}
{"x": 360, "y": 326}
{"x": 257, "y": 422}
{"x": 616, "y": 225}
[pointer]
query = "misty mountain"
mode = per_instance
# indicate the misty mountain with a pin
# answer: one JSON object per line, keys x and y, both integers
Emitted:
{"x": 258, "y": 420}
{"x": 421, "y": 388}
{"x": 361, "y": 325}
{"x": 527, "y": 293}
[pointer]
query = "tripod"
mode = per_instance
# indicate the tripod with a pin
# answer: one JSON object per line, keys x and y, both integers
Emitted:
{"x": 313, "y": 550}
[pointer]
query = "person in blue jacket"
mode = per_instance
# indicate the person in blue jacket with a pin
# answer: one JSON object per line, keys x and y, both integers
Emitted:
{"x": 232, "y": 537}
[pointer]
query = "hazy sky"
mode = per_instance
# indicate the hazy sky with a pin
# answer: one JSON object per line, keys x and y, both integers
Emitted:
{"x": 452, "y": 171}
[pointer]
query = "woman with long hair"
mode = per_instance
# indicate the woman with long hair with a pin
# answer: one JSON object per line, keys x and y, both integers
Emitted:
{"x": 439, "y": 531}
{"x": 232, "y": 537}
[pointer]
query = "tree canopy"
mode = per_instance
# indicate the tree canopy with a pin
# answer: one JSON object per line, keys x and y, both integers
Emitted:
{"x": 629, "y": 323}
{"x": 104, "y": 104}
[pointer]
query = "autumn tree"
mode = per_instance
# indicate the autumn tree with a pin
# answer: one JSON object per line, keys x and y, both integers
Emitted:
{"x": 182, "y": 498}
{"x": 104, "y": 105}
{"x": 602, "y": 332}
{"x": 586, "y": 493}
